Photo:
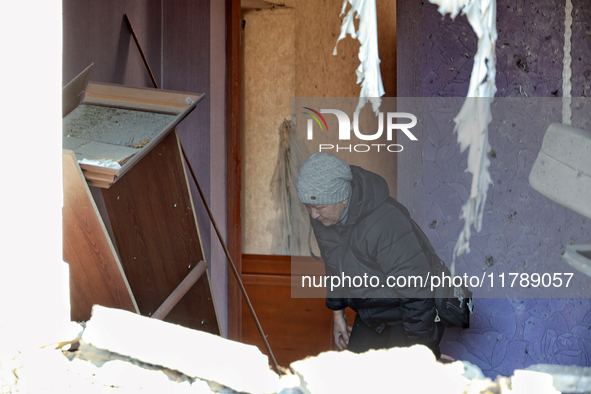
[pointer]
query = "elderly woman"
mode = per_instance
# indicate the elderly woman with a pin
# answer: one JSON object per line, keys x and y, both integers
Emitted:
{"x": 362, "y": 232}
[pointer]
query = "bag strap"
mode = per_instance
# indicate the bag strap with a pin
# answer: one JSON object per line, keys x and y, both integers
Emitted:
{"x": 344, "y": 248}
{"x": 343, "y": 252}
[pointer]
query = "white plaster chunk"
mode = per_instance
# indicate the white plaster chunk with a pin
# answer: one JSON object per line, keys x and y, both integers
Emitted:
{"x": 123, "y": 374}
{"x": 562, "y": 170}
{"x": 579, "y": 257}
{"x": 106, "y": 163}
{"x": 567, "y": 379}
{"x": 524, "y": 382}
{"x": 195, "y": 353}
{"x": 403, "y": 370}
{"x": 44, "y": 369}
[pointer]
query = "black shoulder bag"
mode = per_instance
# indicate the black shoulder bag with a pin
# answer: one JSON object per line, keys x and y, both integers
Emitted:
{"x": 453, "y": 303}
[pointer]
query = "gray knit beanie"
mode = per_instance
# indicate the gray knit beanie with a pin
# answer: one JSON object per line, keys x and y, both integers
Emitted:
{"x": 324, "y": 179}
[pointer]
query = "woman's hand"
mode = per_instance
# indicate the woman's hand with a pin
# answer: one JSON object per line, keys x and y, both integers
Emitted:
{"x": 446, "y": 359}
{"x": 340, "y": 329}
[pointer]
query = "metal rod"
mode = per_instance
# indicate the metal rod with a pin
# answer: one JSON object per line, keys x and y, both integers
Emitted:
{"x": 180, "y": 291}
{"x": 213, "y": 222}
{"x": 232, "y": 265}
{"x": 139, "y": 47}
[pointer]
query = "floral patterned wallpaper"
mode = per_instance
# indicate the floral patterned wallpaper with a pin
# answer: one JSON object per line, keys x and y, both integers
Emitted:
{"x": 522, "y": 230}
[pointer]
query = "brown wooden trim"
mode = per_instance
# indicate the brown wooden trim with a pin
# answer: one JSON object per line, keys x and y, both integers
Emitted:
{"x": 233, "y": 164}
{"x": 180, "y": 291}
{"x": 147, "y": 98}
{"x": 277, "y": 280}
{"x": 264, "y": 264}
{"x": 99, "y": 170}
{"x": 101, "y": 184}
{"x": 254, "y": 264}
{"x": 275, "y": 270}
{"x": 98, "y": 177}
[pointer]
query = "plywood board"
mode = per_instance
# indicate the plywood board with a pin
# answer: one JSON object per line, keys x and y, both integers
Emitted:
{"x": 96, "y": 275}
{"x": 154, "y": 225}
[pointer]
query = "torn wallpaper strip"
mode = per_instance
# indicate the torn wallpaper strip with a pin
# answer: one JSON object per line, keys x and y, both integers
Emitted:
{"x": 368, "y": 72}
{"x": 475, "y": 115}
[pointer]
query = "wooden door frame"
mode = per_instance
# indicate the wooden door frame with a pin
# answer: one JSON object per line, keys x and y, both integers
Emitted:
{"x": 233, "y": 164}
{"x": 409, "y": 84}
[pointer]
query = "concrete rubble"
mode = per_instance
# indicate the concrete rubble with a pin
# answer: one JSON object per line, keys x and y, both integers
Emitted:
{"x": 122, "y": 352}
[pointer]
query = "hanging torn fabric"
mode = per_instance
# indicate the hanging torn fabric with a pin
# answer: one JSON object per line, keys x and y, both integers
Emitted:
{"x": 292, "y": 233}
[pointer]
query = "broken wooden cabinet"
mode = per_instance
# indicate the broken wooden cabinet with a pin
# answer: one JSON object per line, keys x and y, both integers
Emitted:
{"x": 147, "y": 199}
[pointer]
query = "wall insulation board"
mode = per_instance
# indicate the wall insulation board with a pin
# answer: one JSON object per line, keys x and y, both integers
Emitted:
{"x": 155, "y": 228}
{"x": 96, "y": 275}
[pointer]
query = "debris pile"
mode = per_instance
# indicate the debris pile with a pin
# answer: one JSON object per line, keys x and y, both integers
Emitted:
{"x": 124, "y": 352}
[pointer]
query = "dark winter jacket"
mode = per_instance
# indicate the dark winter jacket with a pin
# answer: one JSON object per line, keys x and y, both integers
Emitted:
{"x": 382, "y": 241}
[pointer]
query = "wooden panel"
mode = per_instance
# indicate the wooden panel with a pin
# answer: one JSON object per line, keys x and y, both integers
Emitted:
{"x": 295, "y": 327}
{"x": 265, "y": 264}
{"x": 153, "y": 221}
{"x": 137, "y": 98}
{"x": 96, "y": 276}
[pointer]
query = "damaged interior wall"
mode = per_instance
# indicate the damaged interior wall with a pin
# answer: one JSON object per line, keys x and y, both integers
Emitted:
{"x": 287, "y": 52}
{"x": 521, "y": 228}
{"x": 268, "y": 49}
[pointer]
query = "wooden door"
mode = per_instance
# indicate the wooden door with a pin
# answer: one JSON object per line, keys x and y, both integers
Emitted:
{"x": 295, "y": 327}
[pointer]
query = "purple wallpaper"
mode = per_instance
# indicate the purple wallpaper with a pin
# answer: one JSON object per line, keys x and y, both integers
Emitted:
{"x": 522, "y": 230}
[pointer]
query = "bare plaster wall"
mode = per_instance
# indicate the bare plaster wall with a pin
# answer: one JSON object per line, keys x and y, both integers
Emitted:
{"x": 269, "y": 80}
{"x": 288, "y": 53}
